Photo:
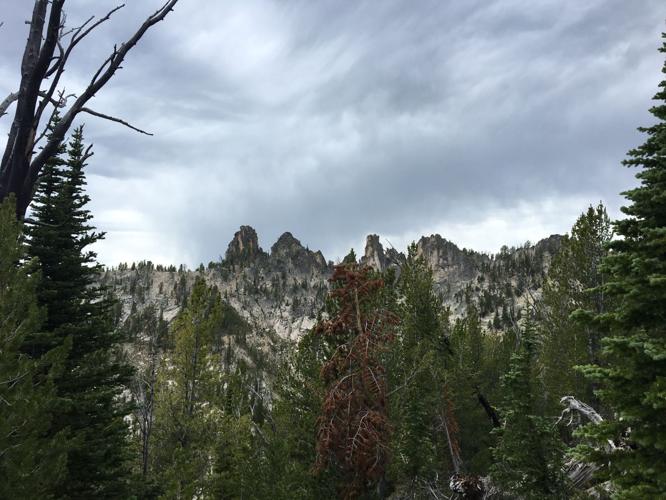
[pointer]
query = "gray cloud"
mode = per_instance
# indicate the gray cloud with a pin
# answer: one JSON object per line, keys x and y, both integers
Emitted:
{"x": 495, "y": 121}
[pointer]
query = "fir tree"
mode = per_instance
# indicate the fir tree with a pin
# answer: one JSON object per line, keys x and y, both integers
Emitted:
{"x": 571, "y": 292}
{"x": 528, "y": 453}
{"x": 238, "y": 459}
{"x": 298, "y": 400}
{"x": 420, "y": 352}
{"x": 187, "y": 398}
{"x": 150, "y": 330}
{"x": 467, "y": 376}
{"x": 633, "y": 378}
{"x": 94, "y": 376}
{"x": 31, "y": 462}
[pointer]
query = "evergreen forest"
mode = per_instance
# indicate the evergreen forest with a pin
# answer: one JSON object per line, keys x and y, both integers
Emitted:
{"x": 538, "y": 372}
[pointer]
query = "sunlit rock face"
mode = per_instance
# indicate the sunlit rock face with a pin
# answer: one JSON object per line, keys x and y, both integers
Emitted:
{"x": 374, "y": 256}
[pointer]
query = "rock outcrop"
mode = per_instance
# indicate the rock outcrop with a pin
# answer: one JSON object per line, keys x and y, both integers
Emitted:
{"x": 374, "y": 256}
{"x": 244, "y": 247}
{"x": 282, "y": 292}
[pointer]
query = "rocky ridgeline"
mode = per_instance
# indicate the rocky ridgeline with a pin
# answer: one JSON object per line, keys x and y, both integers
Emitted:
{"x": 280, "y": 293}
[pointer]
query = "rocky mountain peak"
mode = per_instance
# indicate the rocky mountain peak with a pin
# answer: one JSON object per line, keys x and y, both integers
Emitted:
{"x": 289, "y": 251}
{"x": 374, "y": 253}
{"x": 441, "y": 256}
{"x": 244, "y": 247}
{"x": 551, "y": 245}
{"x": 284, "y": 292}
{"x": 286, "y": 244}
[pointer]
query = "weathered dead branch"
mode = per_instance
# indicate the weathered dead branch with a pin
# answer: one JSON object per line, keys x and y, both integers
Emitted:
{"x": 48, "y": 48}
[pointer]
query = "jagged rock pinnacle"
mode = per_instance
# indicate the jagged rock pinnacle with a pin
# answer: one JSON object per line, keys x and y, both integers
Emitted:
{"x": 244, "y": 247}
{"x": 288, "y": 251}
{"x": 286, "y": 244}
{"x": 374, "y": 253}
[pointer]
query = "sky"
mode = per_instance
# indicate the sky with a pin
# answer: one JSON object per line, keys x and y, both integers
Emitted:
{"x": 489, "y": 122}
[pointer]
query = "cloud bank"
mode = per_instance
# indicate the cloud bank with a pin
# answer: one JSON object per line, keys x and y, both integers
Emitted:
{"x": 489, "y": 122}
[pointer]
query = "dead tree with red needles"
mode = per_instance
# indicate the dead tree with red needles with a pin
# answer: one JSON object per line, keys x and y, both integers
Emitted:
{"x": 353, "y": 429}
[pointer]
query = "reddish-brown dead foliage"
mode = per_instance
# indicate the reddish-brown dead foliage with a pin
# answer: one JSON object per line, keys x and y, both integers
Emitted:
{"x": 353, "y": 428}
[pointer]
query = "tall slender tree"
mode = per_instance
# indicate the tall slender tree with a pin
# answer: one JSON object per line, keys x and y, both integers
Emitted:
{"x": 572, "y": 293}
{"x": 420, "y": 352}
{"x": 353, "y": 429}
{"x": 90, "y": 387}
{"x": 528, "y": 453}
{"x": 633, "y": 380}
{"x": 467, "y": 377}
{"x": 187, "y": 410}
{"x": 149, "y": 330}
{"x": 31, "y": 462}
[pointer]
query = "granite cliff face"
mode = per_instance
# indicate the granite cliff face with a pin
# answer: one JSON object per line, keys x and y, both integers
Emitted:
{"x": 280, "y": 293}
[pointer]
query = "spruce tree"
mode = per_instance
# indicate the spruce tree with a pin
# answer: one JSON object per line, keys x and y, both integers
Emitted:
{"x": 528, "y": 454}
{"x": 94, "y": 376}
{"x": 298, "y": 396}
{"x": 31, "y": 462}
{"x": 467, "y": 375}
{"x": 633, "y": 378}
{"x": 573, "y": 292}
{"x": 420, "y": 352}
{"x": 188, "y": 398}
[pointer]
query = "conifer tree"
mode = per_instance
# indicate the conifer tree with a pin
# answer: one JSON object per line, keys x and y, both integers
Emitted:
{"x": 94, "y": 375}
{"x": 421, "y": 351}
{"x": 298, "y": 400}
{"x": 31, "y": 462}
{"x": 187, "y": 398}
{"x": 572, "y": 292}
{"x": 528, "y": 454}
{"x": 238, "y": 461}
{"x": 466, "y": 375}
{"x": 633, "y": 379}
{"x": 353, "y": 429}
{"x": 149, "y": 331}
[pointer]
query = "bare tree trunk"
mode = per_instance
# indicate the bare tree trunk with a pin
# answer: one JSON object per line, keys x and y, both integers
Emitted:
{"x": 43, "y": 63}
{"x": 490, "y": 411}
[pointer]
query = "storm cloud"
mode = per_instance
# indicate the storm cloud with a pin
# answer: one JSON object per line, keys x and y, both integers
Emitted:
{"x": 489, "y": 122}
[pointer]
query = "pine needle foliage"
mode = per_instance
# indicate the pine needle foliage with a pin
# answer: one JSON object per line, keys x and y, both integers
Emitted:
{"x": 421, "y": 353}
{"x": 528, "y": 454}
{"x": 632, "y": 379}
{"x": 573, "y": 292}
{"x": 89, "y": 389}
{"x": 31, "y": 462}
{"x": 353, "y": 429}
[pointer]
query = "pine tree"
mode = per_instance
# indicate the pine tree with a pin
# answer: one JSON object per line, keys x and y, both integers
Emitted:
{"x": 187, "y": 398}
{"x": 572, "y": 292}
{"x": 472, "y": 371}
{"x": 149, "y": 331}
{"x": 94, "y": 376}
{"x": 633, "y": 378}
{"x": 421, "y": 352}
{"x": 353, "y": 429}
{"x": 30, "y": 462}
{"x": 528, "y": 454}
{"x": 238, "y": 461}
{"x": 298, "y": 391}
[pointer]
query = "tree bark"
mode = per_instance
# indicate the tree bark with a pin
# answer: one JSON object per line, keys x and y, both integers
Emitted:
{"x": 20, "y": 166}
{"x": 490, "y": 411}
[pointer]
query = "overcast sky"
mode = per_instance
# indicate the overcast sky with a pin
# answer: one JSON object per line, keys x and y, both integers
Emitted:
{"x": 489, "y": 122}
